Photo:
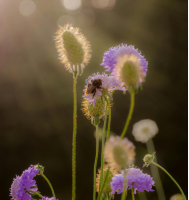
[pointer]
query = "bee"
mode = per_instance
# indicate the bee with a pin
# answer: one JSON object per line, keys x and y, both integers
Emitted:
{"x": 91, "y": 89}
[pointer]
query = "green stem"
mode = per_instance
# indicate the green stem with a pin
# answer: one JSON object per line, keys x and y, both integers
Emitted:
{"x": 124, "y": 194}
{"x": 142, "y": 195}
{"x": 171, "y": 178}
{"x": 36, "y": 193}
{"x": 155, "y": 172}
{"x": 49, "y": 185}
{"x": 109, "y": 121}
{"x": 133, "y": 196}
{"x": 130, "y": 113}
{"x": 102, "y": 150}
{"x": 74, "y": 137}
{"x": 104, "y": 182}
{"x": 95, "y": 164}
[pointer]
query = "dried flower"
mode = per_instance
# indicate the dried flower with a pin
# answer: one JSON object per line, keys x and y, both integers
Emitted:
{"x": 101, "y": 86}
{"x": 119, "y": 153}
{"x": 144, "y": 130}
{"x": 73, "y": 48}
{"x": 135, "y": 178}
{"x": 24, "y": 183}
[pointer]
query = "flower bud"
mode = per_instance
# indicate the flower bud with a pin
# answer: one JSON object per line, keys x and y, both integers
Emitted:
{"x": 148, "y": 159}
{"x": 177, "y": 197}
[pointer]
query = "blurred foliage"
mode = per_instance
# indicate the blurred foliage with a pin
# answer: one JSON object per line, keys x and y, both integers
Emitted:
{"x": 36, "y": 91}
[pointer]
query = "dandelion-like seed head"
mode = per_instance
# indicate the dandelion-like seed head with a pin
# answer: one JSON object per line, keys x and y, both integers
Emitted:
{"x": 112, "y": 172}
{"x": 148, "y": 159}
{"x": 177, "y": 197}
{"x": 135, "y": 179}
{"x": 144, "y": 130}
{"x": 73, "y": 48}
{"x": 119, "y": 153}
{"x": 102, "y": 86}
{"x": 127, "y": 64}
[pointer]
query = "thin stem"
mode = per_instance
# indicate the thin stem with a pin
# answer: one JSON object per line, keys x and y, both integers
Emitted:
{"x": 104, "y": 181}
{"x": 36, "y": 193}
{"x": 74, "y": 137}
{"x": 124, "y": 194}
{"x": 49, "y": 185}
{"x": 133, "y": 196}
{"x": 109, "y": 120}
{"x": 130, "y": 113}
{"x": 171, "y": 178}
{"x": 155, "y": 172}
{"x": 102, "y": 150}
{"x": 95, "y": 164}
{"x": 142, "y": 195}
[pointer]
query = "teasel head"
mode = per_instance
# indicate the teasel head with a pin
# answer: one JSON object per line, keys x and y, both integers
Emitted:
{"x": 73, "y": 48}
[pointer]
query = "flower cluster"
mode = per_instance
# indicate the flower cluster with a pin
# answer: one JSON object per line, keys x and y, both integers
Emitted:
{"x": 23, "y": 184}
{"x": 135, "y": 178}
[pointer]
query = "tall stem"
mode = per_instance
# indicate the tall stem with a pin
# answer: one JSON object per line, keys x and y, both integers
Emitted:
{"x": 133, "y": 195}
{"x": 142, "y": 195}
{"x": 130, "y": 113}
{"x": 171, "y": 178}
{"x": 109, "y": 120}
{"x": 49, "y": 185}
{"x": 95, "y": 164}
{"x": 74, "y": 137}
{"x": 102, "y": 150}
{"x": 124, "y": 194}
{"x": 155, "y": 172}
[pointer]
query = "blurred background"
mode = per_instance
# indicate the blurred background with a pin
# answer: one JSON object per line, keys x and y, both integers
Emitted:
{"x": 36, "y": 100}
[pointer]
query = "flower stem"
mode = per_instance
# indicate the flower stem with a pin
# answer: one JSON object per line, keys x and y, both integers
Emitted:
{"x": 130, "y": 113}
{"x": 109, "y": 120}
{"x": 49, "y": 185}
{"x": 74, "y": 137}
{"x": 102, "y": 150}
{"x": 95, "y": 164}
{"x": 171, "y": 179}
{"x": 133, "y": 196}
{"x": 124, "y": 194}
{"x": 142, "y": 196}
{"x": 155, "y": 172}
{"x": 36, "y": 193}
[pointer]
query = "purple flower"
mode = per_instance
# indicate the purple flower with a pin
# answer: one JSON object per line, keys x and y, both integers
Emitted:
{"x": 24, "y": 183}
{"x": 46, "y": 198}
{"x": 135, "y": 178}
{"x": 106, "y": 86}
{"x": 111, "y": 57}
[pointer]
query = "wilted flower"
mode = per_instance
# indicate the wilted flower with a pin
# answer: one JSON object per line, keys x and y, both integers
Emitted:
{"x": 101, "y": 86}
{"x": 135, "y": 178}
{"x": 119, "y": 153}
{"x": 144, "y": 130}
{"x": 73, "y": 48}
{"x": 177, "y": 197}
{"x": 127, "y": 64}
{"x": 112, "y": 172}
{"x": 24, "y": 183}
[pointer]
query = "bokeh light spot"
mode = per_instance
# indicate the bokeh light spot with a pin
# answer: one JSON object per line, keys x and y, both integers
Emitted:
{"x": 72, "y": 4}
{"x": 86, "y": 17}
{"x": 64, "y": 20}
{"x": 104, "y": 4}
{"x": 27, "y": 7}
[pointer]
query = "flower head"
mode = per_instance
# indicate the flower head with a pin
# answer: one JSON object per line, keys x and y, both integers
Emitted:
{"x": 177, "y": 197}
{"x": 144, "y": 130}
{"x": 73, "y": 48}
{"x": 101, "y": 86}
{"x": 119, "y": 153}
{"x": 46, "y": 198}
{"x": 112, "y": 172}
{"x": 24, "y": 183}
{"x": 148, "y": 159}
{"x": 127, "y": 64}
{"x": 135, "y": 178}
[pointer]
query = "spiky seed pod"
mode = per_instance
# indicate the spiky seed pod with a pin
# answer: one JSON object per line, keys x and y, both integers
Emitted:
{"x": 107, "y": 188}
{"x": 73, "y": 48}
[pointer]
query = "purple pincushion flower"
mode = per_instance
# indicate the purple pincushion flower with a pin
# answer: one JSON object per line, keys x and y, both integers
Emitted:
{"x": 135, "y": 178}
{"x": 46, "y": 198}
{"x": 107, "y": 85}
{"x": 24, "y": 183}
{"x": 111, "y": 57}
